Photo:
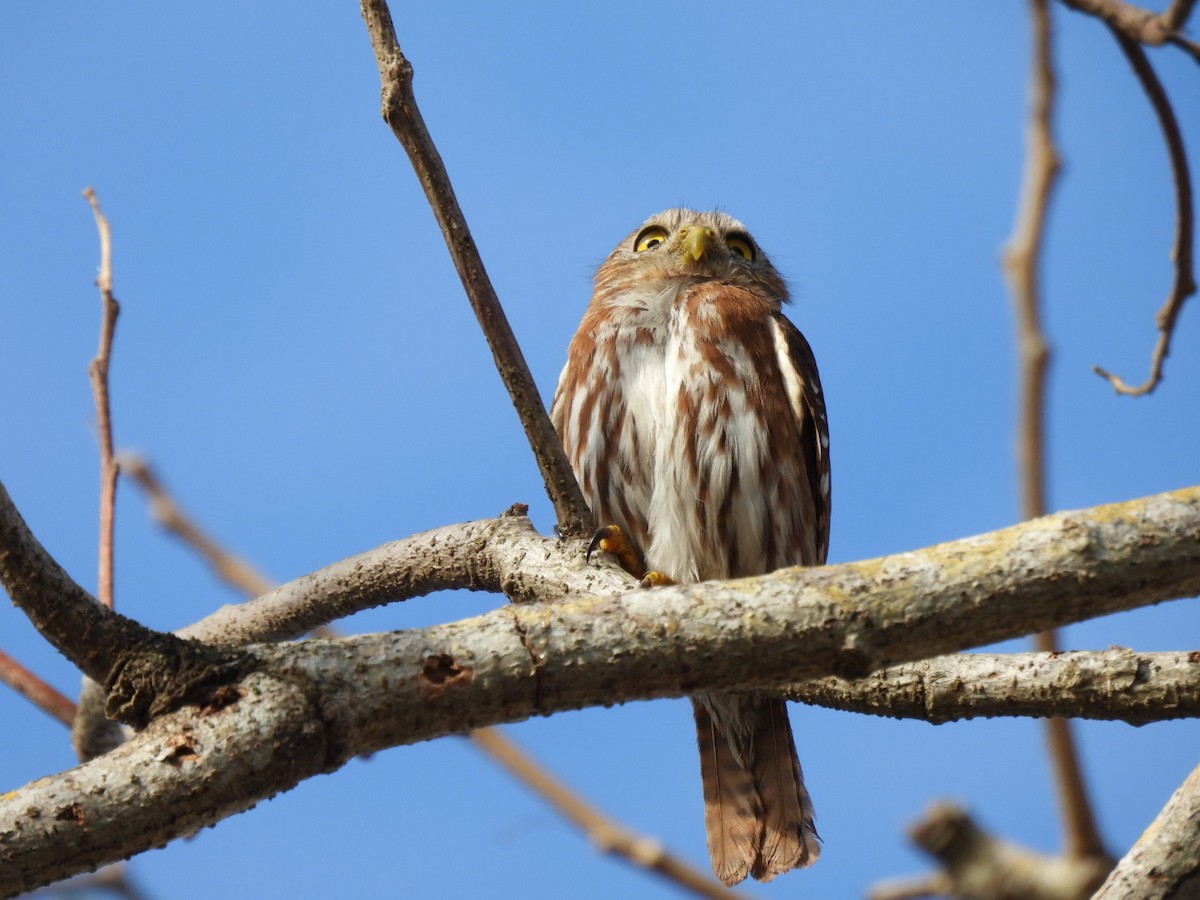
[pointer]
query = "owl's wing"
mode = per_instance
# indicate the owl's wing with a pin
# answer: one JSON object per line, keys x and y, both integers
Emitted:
{"x": 799, "y": 368}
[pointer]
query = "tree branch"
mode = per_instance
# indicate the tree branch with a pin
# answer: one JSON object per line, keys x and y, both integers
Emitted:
{"x": 401, "y": 113}
{"x": 1162, "y": 865}
{"x": 35, "y": 690}
{"x": 1184, "y": 283}
{"x": 608, "y": 835}
{"x": 145, "y": 673}
{"x": 503, "y": 555}
{"x": 306, "y": 708}
{"x": 976, "y": 865}
{"x": 98, "y": 375}
{"x": 1116, "y": 684}
{"x": 1143, "y": 25}
{"x": 1022, "y": 262}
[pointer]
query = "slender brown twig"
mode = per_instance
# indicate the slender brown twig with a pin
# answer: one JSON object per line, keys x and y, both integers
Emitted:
{"x": 36, "y": 691}
{"x": 1143, "y": 25}
{"x": 230, "y": 568}
{"x": 1176, "y": 15}
{"x": 1184, "y": 283}
{"x": 401, "y": 113}
{"x": 606, "y": 834}
{"x": 98, "y": 375}
{"x": 1022, "y": 260}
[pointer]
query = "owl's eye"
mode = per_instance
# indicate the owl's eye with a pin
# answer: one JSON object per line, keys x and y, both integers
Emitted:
{"x": 650, "y": 237}
{"x": 741, "y": 245}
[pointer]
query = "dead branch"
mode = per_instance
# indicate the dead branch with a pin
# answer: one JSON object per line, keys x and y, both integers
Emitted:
{"x": 1022, "y": 262}
{"x": 39, "y": 693}
{"x": 1116, "y": 685}
{"x": 1143, "y": 25}
{"x": 1162, "y": 865}
{"x": 975, "y": 865}
{"x": 606, "y": 834}
{"x": 401, "y": 113}
{"x": 1183, "y": 284}
{"x": 197, "y": 766}
{"x": 98, "y": 375}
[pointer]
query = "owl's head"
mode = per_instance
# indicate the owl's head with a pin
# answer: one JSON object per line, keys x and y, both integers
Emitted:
{"x": 688, "y": 247}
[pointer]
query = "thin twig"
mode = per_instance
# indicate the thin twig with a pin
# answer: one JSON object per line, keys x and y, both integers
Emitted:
{"x": 35, "y": 690}
{"x": 606, "y": 834}
{"x": 401, "y": 113}
{"x": 1184, "y": 283}
{"x": 1143, "y": 25}
{"x": 98, "y": 375}
{"x": 1022, "y": 261}
{"x": 1175, "y": 16}
{"x": 230, "y": 568}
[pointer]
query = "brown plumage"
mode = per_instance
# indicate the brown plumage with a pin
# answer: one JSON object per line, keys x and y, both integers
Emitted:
{"x": 692, "y": 414}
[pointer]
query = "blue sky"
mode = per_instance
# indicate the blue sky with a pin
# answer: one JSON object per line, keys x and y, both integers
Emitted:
{"x": 296, "y": 357}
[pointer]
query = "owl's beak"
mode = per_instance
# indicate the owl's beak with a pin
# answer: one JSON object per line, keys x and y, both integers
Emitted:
{"x": 694, "y": 240}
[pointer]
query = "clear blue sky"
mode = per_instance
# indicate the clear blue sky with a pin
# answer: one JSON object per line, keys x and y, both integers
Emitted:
{"x": 296, "y": 357}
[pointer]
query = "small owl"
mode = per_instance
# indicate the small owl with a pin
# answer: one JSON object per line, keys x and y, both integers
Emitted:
{"x": 691, "y": 412}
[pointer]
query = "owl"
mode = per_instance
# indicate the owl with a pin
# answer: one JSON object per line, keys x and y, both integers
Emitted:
{"x": 691, "y": 412}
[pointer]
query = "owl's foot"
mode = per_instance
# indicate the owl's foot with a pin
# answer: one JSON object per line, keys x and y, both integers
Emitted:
{"x": 611, "y": 539}
{"x": 656, "y": 579}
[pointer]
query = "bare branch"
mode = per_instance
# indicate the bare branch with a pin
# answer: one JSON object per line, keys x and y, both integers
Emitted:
{"x": 606, "y": 834}
{"x": 98, "y": 375}
{"x": 521, "y": 660}
{"x": 36, "y": 691}
{"x": 1184, "y": 283}
{"x": 1164, "y": 862}
{"x": 1022, "y": 263}
{"x": 505, "y": 554}
{"x": 1116, "y": 684}
{"x": 977, "y": 866}
{"x": 401, "y": 113}
{"x": 1143, "y": 25}
{"x": 234, "y": 571}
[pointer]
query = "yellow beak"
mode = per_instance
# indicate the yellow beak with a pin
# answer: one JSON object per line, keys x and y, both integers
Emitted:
{"x": 695, "y": 241}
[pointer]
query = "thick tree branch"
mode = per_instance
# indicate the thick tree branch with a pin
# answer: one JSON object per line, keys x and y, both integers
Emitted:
{"x": 1182, "y": 252}
{"x": 311, "y": 703}
{"x": 607, "y": 834}
{"x": 502, "y": 555}
{"x": 144, "y": 672}
{"x": 1163, "y": 865}
{"x": 401, "y": 113}
{"x": 1116, "y": 684}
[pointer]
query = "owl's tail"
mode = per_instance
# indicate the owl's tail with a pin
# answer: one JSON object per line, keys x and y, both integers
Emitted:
{"x": 757, "y": 813}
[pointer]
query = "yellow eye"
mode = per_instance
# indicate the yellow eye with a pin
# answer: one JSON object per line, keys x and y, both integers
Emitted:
{"x": 649, "y": 237}
{"x": 741, "y": 245}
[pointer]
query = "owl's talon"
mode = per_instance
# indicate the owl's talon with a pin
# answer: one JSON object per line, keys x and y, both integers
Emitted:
{"x": 656, "y": 579}
{"x": 611, "y": 539}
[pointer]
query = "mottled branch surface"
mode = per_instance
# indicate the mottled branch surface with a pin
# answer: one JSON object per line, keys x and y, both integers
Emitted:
{"x": 1162, "y": 865}
{"x": 1115, "y": 685}
{"x": 307, "y": 708}
{"x": 503, "y": 555}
